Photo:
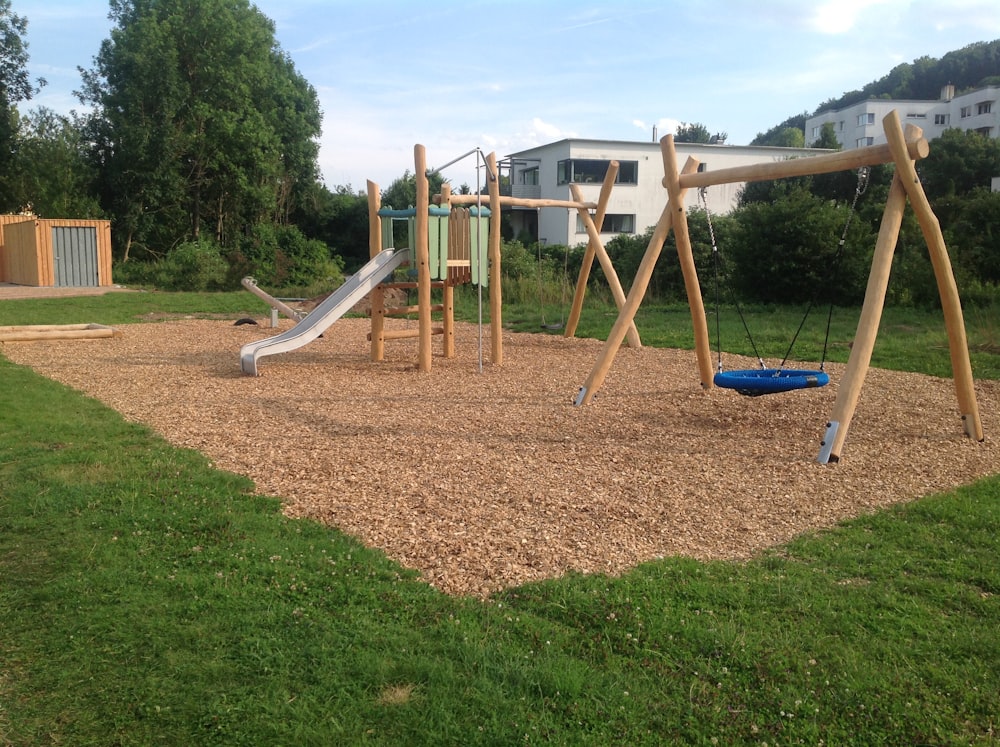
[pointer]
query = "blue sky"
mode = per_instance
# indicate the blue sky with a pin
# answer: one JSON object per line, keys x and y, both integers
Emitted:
{"x": 505, "y": 75}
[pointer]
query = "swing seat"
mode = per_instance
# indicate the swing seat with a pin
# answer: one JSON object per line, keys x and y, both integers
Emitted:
{"x": 755, "y": 382}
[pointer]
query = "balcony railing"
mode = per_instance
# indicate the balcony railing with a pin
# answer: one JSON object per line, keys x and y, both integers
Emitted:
{"x": 529, "y": 191}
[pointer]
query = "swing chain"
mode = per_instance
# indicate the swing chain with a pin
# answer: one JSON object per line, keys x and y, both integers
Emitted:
{"x": 703, "y": 198}
{"x": 863, "y": 173}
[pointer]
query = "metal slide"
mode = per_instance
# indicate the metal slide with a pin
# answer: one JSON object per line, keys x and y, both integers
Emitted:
{"x": 330, "y": 310}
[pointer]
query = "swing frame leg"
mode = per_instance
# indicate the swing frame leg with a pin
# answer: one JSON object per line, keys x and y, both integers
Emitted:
{"x": 905, "y": 184}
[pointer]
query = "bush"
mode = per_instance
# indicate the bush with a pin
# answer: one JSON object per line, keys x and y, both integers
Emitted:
{"x": 191, "y": 266}
{"x": 787, "y": 252}
{"x": 282, "y": 257}
{"x": 539, "y": 274}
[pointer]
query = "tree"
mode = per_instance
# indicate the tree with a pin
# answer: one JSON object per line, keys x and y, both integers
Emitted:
{"x": 787, "y": 251}
{"x": 975, "y": 237}
{"x": 959, "y": 163}
{"x": 50, "y": 169}
{"x": 787, "y": 137}
{"x": 339, "y": 218}
{"x": 201, "y": 123}
{"x": 692, "y": 133}
{"x": 779, "y": 135}
{"x": 827, "y": 138}
{"x": 402, "y": 193}
{"x": 15, "y": 86}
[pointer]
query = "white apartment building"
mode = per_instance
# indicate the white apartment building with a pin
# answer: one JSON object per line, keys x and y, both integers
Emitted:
{"x": 638, "y": 197}
{"x": 861, "y": 124}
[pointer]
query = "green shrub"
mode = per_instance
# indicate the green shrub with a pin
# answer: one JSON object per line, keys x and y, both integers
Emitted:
{"x": 191, "y": 266}
{"x": 787, "y": 252}
{"x": 282, "y": 257}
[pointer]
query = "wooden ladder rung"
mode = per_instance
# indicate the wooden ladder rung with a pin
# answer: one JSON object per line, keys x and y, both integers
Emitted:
{"x": 403, "y": 334}
{"x": 407, "y": 310}
{"x": 411, "y": 284}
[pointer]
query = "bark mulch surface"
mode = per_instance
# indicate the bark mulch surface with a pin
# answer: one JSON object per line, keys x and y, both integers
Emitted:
{"x": 488, "y": 480}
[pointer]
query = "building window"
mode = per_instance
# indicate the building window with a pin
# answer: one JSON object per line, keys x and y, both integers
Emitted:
{"x": 529, "y": 176}
{"x": 941, "y": 119}
{"x": 866, "y": 119}
{"x": 587, "y": 171}
{"x": 861, "y": 142}
{"x": 984, "y": 108}
{"x": 984, "y": 131}
{"x": 816, "y": 132}
{"x": 613, "y": 223}
{"x": 966, "y": 112}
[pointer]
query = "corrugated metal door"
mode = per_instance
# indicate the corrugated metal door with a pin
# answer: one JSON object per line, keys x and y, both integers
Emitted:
{"x": 74, "y": 252}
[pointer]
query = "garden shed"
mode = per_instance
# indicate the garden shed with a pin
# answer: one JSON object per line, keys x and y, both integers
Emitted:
{"x": 54, "y": 251}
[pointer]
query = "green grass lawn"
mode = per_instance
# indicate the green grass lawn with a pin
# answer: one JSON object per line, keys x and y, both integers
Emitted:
{"x": 149, "y": 599}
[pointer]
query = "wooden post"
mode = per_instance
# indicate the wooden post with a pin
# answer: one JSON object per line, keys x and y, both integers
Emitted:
{"x": 632, "y": 302}
{"x": 448, "y": 324}
{"x": 609, "y": 270}
{"x": 588, "y": 256}
{"x": 871, "y": 314}
{"x": 951, "y": 304}
{"x": 422, "y": 255}
{"x": 377, "y": 335}
{"x": 496, "y": 294}
{"x": 671, "y": 180}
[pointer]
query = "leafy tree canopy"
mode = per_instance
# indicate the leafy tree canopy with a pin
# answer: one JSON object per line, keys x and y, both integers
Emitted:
{"x": 201, "y": 122}
{"x": 778, "y": 135}
{"x": 15, "y": 86}
{"x": 970, "y": 67}
{"x": 827, "y": 138}
{"x": 959, "y": 163}
{"x": 50, "y": 173}
{"x": 697, "y": 133}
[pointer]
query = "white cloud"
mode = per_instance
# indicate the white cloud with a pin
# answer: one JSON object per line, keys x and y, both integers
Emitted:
{"x": 541, "y": 127}
{"x": 840, "y": 16}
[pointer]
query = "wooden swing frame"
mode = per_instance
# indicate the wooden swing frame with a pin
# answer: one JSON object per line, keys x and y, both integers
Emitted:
{"x": 903, "y": 148}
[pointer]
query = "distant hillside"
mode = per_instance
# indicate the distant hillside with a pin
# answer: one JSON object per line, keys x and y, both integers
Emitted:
{"x": 974, "y": 66}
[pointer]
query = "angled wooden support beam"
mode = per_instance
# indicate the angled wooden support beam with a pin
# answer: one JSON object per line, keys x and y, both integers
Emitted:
{"x": 635, "y": 295}
{"x": 871, "y": 315}
{"x": 588, "y": 257}
{"x": 951, "y": 304}
{"x": 692, "y": 288}
{"x": 905, "y": 184}
{"x": 609, "y": 270}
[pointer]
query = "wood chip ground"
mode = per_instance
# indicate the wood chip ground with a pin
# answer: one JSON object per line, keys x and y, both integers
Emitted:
{"x": 483, "y": 480}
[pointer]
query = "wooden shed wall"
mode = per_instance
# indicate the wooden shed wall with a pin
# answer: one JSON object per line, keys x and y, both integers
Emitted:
{"x": 6, "y": 220}
{"x": 22, "y": 260}
{"x": 27, "y": 256}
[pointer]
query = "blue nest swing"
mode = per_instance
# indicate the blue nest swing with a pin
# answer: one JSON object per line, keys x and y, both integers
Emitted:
{"x": 755, "y": 382}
